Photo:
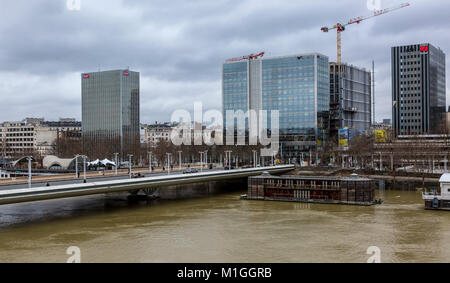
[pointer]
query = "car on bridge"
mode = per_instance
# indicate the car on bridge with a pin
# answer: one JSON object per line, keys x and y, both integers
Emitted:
{"x": 137, "y": 175}
{"x": 190, "y": 171}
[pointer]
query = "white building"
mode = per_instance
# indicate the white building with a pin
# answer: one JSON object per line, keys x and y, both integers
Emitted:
{"x": 157, "y": 132}
{"x": 17, "y": 139}
{"x": 153, "y": 134}
{"x": 32, "y": 136}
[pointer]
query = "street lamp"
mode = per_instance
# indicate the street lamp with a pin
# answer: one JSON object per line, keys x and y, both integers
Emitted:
{"x": 76, "y": 166}
{"x": 179, "y": 155}
{"x": 228, "y": 157}
{"x": 84, "y": 168}
{"x": 130, "y": 156}
{"x": 29, "y": 158}
{"x": 168, "y": 162}
{"x": 201, "y": 161}
{"x": 273, "y": 158}
{"x": 150, "y": 162}
{"x": 254, "y": 158}
{"x": 117, "y": 162}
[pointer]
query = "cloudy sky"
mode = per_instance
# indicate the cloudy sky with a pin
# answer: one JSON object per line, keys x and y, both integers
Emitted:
{"x": 178, "y": 46}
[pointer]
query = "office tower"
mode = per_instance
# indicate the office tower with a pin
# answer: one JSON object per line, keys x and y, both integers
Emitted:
{"x": 297, "y": 86}
{"x": 350, "y": 99}
{"x": 110, "y": 113}
{"x": 418, "y": 89}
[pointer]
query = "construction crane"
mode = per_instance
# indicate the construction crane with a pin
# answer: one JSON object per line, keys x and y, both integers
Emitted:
{"x": 341, "y": 27}
{"x": 248, "y": 57}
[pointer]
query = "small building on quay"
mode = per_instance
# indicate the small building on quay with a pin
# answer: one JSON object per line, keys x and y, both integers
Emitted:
{"x": 352, "y": 190}
{"x": 439, "y": 199}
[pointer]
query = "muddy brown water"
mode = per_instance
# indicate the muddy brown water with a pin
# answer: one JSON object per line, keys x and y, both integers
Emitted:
{"x": 222, "y": 228}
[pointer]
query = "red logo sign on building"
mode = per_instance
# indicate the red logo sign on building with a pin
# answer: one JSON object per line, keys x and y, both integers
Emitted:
{"x": 424, "y": 48}
{"x": 126, "y": 73}
{"x": 86, "y": 76}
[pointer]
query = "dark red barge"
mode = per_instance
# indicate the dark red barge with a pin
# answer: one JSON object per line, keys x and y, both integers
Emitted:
{"x": 352, "y": 190}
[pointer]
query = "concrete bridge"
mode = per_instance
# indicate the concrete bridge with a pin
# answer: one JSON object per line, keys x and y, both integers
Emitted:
{"x": 147, "y": 184}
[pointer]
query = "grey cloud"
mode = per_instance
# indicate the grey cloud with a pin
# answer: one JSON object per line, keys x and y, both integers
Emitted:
{"x": 180, "y": 45}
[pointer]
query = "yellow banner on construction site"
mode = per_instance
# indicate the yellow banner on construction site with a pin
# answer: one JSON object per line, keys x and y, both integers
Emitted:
{"x": 380, "y": 136}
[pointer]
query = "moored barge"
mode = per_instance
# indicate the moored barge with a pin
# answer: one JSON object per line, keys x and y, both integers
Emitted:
{"x": 436, "y": 200}
{"x": 352, "y": 190}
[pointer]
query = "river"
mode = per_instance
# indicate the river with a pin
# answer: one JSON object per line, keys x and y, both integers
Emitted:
{"x": 222, "y": 228}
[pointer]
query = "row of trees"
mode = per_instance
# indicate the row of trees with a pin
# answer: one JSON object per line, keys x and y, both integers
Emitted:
{"x": 362, "y": 150}
{"x": 191, "y": 153}
{"x": 67, "y": 147}
{"x": 418, "y": 152}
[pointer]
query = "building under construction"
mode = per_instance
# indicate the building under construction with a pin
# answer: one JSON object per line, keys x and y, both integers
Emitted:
{"x": 350, "y": 98}
{"x": 350, "y": 104}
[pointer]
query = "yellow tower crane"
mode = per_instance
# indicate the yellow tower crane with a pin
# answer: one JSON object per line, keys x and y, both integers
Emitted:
{"x": 341, "y": 27}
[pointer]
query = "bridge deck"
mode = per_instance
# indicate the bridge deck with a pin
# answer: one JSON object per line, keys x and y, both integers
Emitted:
{"x": 66, "y": 191}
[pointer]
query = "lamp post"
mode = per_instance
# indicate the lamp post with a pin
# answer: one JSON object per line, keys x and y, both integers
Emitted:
{"x": 168, "y": 162}
{"x": 150, "y": 162}
{"x": 76, "y": 166}
{"x": 84, "y": 168}
{"x": 201, "y": 161}
{"x": 29, "y": 158}
{"x": 130, "y": 156}
{"x": 116, "y": 159}
{"x": 274, "y": 162}
{"x": 237, "y": 159}
{"x": 179, "y": 156}
{"x": 228, "y": 157}
{"x": 254, "y": 158}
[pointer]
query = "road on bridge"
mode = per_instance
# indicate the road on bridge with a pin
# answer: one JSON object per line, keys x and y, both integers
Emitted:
{"x": 43, "y": 183}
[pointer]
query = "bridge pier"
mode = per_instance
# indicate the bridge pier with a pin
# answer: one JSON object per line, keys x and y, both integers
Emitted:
{"x": 143, "y": 194}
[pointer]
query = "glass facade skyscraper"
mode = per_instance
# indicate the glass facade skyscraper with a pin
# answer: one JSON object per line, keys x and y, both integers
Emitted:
{"x": 350, "y": 99}
{"x": 418, "y": 89}
{"x": 297, "y": 86}
{"x": 110, "y": 112}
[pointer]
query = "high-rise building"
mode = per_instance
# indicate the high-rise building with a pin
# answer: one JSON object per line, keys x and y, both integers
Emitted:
{"x": 110, "y": 113}
{"x": 297, "y": 86}
{"x": 418, "y": 89}
{"x": 350, "y": 99}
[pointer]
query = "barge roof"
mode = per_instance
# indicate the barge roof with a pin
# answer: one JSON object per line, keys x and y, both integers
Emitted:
{"x": 321, "y": 178}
